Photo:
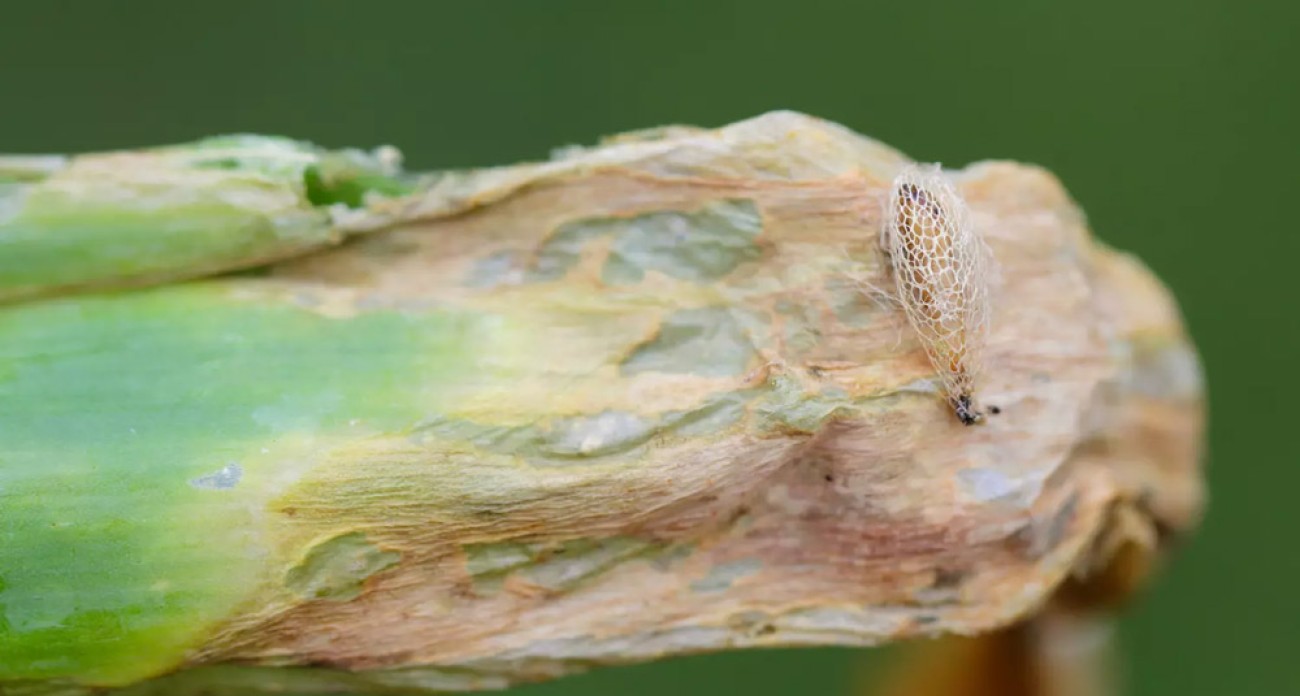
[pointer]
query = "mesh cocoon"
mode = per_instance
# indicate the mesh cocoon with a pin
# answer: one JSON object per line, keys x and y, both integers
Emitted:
{"x": 941, "y": 268}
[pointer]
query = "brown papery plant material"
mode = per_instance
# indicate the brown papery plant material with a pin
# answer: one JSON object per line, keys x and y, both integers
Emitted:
{"x": 698, "y": 427}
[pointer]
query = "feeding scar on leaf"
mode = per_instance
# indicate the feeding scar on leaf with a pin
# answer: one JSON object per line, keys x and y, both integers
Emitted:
{"x": 940, "y": 268}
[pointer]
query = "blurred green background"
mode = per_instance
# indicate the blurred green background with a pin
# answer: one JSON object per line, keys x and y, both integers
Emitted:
{"x": 1173, "y": 123}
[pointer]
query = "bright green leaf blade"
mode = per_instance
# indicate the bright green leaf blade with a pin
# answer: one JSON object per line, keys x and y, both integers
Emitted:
{"x": 132, "y": 218}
